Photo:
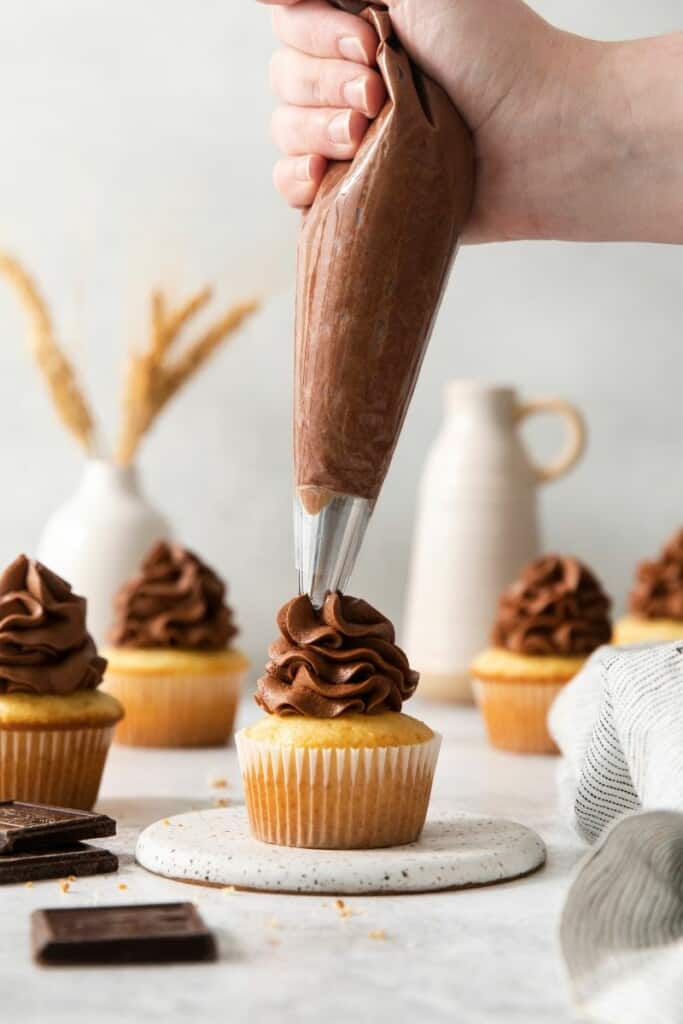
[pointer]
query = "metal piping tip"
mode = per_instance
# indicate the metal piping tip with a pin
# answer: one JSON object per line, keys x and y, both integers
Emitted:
{"x": 327, "y": 543}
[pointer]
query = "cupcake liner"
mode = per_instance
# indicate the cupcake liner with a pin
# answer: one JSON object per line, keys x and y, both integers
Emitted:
{"x": 61, "y": 767}
{"x": 176, "y": 710}
{"x": 515, "y": 714}
{"x": 337, "y": 798}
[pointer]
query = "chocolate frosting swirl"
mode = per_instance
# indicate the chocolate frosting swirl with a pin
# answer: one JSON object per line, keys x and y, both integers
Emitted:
{"x": 557, "y": 606}
{"x": 45, "y": 647}
{"x": 173, "y": 601}
{"x": 658, "y": 589}
{"x": 341, "y": 658}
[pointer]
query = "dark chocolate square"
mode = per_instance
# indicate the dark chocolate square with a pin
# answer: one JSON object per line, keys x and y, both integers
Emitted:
{"x": 25, "y": 826}
{"x": 79, "y": 860}
{"x": 147, "y": 933}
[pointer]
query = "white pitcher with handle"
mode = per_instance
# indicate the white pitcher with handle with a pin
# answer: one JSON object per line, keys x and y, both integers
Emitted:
{"x": 476, "y": 526}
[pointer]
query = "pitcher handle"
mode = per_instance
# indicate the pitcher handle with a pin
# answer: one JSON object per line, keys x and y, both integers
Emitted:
{"x": 576, "y": 435}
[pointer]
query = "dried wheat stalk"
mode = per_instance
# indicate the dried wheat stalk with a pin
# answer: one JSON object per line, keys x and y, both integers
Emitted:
{"x": 57, "y": 371}
{"x": 152, "y": 379}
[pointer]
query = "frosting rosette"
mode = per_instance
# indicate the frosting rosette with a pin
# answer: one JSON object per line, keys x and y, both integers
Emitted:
{"x": 556, "y": 607}
{"x": 45, "y": 647}
{"x": 175, "y": 600}
{"x": 338, "y": 659}
{"x": 658, "y": 589}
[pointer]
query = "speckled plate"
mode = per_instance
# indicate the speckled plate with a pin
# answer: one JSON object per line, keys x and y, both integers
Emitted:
{"x": 455, "y": 851}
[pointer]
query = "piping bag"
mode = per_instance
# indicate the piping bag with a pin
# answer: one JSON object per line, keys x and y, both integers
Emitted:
{"x": 375, "y": 250}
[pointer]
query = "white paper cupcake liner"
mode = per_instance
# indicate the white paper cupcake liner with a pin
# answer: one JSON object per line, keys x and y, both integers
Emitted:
{"x": 337, "y": 798}
{"x": 176, "y": 710}
{"x": 62, "y": 767}
{"x": 516, "y": 712}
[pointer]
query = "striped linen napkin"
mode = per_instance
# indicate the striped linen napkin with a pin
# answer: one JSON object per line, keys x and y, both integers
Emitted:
{"x": 619, "y": 725}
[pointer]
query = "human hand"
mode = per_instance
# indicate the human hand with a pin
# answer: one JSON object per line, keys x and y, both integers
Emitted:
{"x": 329, "y": 90}
{"x": 570, "y": 134}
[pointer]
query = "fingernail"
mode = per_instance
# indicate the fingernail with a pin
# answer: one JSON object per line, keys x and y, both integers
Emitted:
{"x": 351, "y": 48}
{"x": 356, "y": 94}
{"x": 339, "y": 128}
{"x": 302, "y": 170}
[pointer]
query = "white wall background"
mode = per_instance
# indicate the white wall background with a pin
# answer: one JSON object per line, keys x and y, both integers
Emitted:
{"x": 135, "y": 150}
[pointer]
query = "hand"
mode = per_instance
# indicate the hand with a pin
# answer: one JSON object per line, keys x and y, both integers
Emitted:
{"x": 324, "y": 77}
{"x": 329, "y": 90}
{"x": 570, "y": 134}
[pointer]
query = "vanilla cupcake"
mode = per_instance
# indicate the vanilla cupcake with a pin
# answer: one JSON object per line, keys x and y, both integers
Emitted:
{"x": 655, "y": 606}
{"x": 55, "y": 725}
{"x": 549, "y": 621}
{"x": 336, "y": 764}
{"x": 171, "y": 660}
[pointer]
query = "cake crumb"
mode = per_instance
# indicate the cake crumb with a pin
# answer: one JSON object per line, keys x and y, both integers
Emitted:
{"x": 342, "y": 909}
{"x": 29, "y": 885}
{"x": 378, "y": 934}
{"x": 219, "y": 783}
{"x": 64, "y": 885}
{"x": 228, "y": 888}
{"x": 166, "y": 822}
{"x": 71, "y": 878}
{"x": 122, "y": 886}
{"x": 221, "y": 802}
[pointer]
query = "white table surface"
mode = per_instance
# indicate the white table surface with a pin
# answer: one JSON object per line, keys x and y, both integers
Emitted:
{"x": 468, "y": 957}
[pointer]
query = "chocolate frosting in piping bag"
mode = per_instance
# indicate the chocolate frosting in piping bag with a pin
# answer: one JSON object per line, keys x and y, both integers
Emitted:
{"x": 375, "y": 251}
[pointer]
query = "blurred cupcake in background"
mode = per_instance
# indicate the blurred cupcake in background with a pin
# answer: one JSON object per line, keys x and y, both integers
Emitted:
{"x": 655, "y": 605}
{"x": 171, "y": 660}
{"x": 55, "y": 725}
{"x": 549, "y": 621}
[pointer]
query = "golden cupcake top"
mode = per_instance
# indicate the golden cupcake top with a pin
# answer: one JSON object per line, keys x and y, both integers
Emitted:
{"x": 352, "y": 730}
{"x": 45, "y": 647}
{"x": 557, "y": 607}
{"x": 658, "y": 588}
{"x": 331, "y": 661}
{"x": 174, "y": 601}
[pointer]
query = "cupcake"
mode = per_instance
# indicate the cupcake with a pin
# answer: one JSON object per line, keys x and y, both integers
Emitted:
{"x": 171, "y": 663}
{"x": 335, "y": 764}
{"x": 55, "y": 725}
{"x": 655, "y": 605}
{"x": 549, "y": 621}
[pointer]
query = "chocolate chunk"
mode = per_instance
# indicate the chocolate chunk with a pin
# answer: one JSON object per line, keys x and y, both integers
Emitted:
{"x": 78, "y": 860}
{"x": 36, "y": 827}
{"x": 148, "y": 933}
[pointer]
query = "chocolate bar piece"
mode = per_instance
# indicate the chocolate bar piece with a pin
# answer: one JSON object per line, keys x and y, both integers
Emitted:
{"x": 147, "y": 933}
{"x": 36, "y": 827}
{"x": 79, "y": 859}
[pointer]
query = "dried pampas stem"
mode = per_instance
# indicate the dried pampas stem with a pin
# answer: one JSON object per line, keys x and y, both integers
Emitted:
{"x": 151, "y": 380}
{"x": 57, "y": 371}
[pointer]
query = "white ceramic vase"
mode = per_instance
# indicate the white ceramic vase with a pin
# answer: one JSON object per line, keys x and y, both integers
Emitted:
{"x": 96, "y": 539}
{"x": 477, "y": 525}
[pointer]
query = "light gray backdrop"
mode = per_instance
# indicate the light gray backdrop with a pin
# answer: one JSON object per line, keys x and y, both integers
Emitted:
{"x": 135, "y": 150}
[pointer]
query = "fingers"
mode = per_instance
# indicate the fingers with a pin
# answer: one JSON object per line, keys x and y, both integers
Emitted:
{"x": 335, "y": 134}
{"x": 303, "y": 81}
{"x": 297, "y": 178}
{"x": 315, "y": 28}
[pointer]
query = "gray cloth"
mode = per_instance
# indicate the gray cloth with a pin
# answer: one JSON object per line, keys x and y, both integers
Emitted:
{"x": 619, "y": 725}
